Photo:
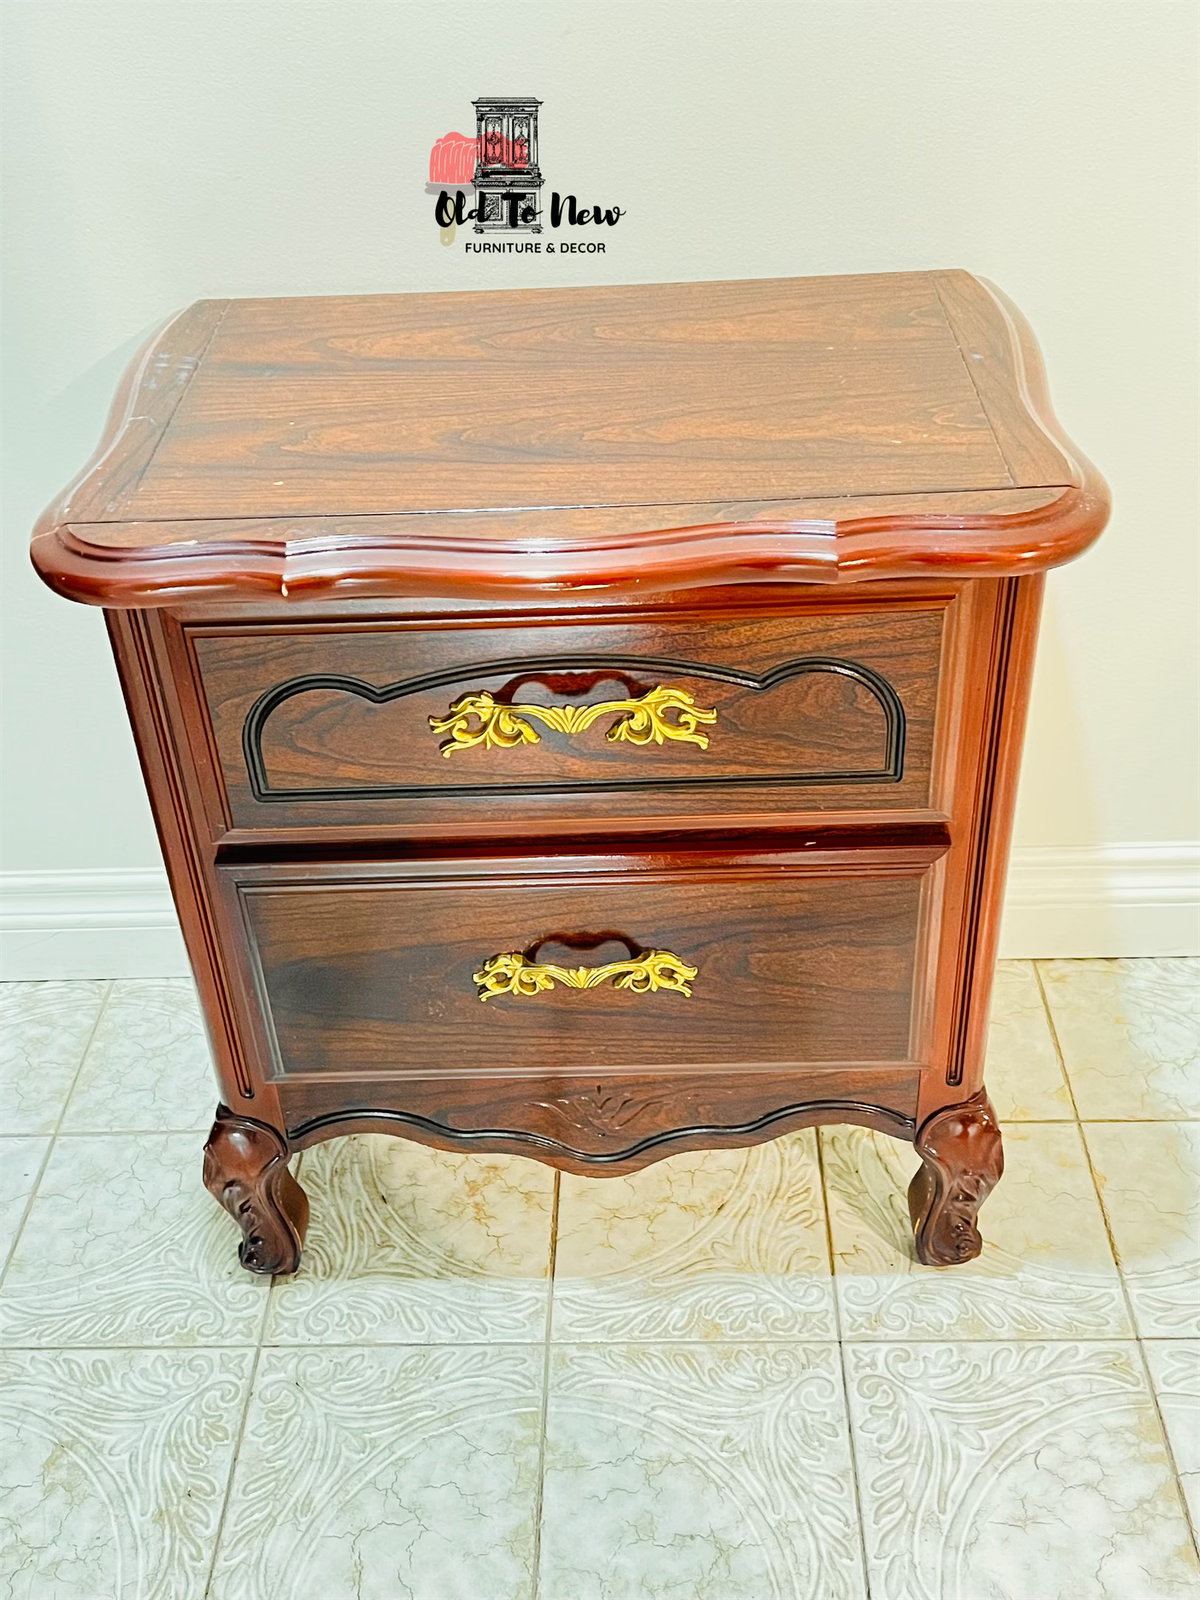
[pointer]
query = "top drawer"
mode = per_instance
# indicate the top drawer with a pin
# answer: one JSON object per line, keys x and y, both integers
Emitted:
{"x": 391, "y": 724}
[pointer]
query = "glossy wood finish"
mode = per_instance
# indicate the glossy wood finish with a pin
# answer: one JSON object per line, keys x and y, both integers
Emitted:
{"x": 962, "y": 1160}
{"x": 386, "y": 502}
{"x": 818, "y": 709}
{"x": 602, "y": 1124}
{"x": 576, "y": 390}
{"x": 367, "y": 969}
{"x": 931, "y": 645}
{"x": 820, "y": 430}
{"x": 245, "y": 1170}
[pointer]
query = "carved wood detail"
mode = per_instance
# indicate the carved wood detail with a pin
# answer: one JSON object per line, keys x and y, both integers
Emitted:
{"x": 614, "y": 1123}
{"x": 245, "y": 1170}
{"x": 962, "y": 1162}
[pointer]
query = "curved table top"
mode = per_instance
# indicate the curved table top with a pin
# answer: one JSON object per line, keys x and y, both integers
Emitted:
{"x": 624, "y": 438}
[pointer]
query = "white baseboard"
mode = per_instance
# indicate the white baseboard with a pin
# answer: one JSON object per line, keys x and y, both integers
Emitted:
{"x": 100, "y": 924}
{"x": 1111, "y": 900}
{"x": 1106, "y": 900}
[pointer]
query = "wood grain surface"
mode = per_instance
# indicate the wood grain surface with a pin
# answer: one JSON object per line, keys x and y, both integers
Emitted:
{"x": 819, "y": 429}
{"x": 328, "y": 725}
{"x": 620, "y": 395}
{"x": 318, "y": 523}
{"x": 601, "y": 1125}
{"x": 371, "y": 972}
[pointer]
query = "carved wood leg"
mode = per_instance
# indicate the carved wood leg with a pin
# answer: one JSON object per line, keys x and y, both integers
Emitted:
{"x": 245, "y": 1168}
{"x": 962, "y": 1161}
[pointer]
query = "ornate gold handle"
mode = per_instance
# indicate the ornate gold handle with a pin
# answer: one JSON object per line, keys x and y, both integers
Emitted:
{"x": 652, "y": 718}
{"x": 652, "y": 969}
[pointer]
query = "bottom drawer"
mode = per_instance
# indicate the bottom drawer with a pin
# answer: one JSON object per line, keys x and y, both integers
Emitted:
{"x": 632, "y": 966}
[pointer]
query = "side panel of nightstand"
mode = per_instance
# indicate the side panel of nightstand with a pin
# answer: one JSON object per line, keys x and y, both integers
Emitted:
{"x": 175, "y": 799}
{"x": 985, "y": 754}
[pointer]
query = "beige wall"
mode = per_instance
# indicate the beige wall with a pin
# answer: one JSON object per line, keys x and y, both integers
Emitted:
{"x": 162, "y": 152}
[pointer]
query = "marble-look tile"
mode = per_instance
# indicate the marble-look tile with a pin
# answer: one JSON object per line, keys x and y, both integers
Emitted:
{"x": 115, "y": 1469}
{"x": 1023, "y": 1074}
{"x": 123, "y": 1246}
{"x": 722, "y": 1244}
{"x": 409, "y": 1245}
{"x": 148, "y": 1067}
{"x": 1129, "y": 1031}
{"x": 20, "y": 1162}
{"x": 1175, "y": 1374}
{"x": 1046, "y": 1271}
{"x": 1008, "y": 1471}
{"x": 375, "y": 1474}
{"x": 716, "y": 1471}
{"x": 1148, "y": 1174}
{"x": 44, "y": 1030}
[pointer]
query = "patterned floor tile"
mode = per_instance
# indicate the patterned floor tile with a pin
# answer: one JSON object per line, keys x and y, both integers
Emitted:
{"x": 123, "y": 1246}
{"x": 1023, "y": 1073}
{"x": 44, "y": 1030}
{"x": 724, "y": 1244}
{"x": 1148, "y": 1174}
{"x": 1008, "y": 1471}
{"x": 1175, "y": 1374}
{"x": 716, "y": 1472}
{"x": 377, "y": 1474}
{"x": 115, "y": 1469}
{"x": 696, "y": 1446}
{"x": 20, "y": 1162}
{"x": 148, "y": 1066}
{"x": 1130, "y": 1035}
{"x": 411, "y": 1245}
{"x": 1046, "y": 1270}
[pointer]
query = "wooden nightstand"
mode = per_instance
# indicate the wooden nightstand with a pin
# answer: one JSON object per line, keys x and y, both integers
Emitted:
{"x": 646, "y": 663}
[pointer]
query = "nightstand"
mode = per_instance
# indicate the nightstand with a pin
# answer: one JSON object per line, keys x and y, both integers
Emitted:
{"x": 585, "y": 723}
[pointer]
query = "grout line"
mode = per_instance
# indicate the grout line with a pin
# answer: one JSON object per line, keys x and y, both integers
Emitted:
{"x": 858, "y": 1506}
{"x": 1087, "y": 1156}
{"x": 1109, "y": 1122}
{"x": 1054, "y": 1039}
{"x": 131, "y": 1133}
{"x": 233, "y": 1465}
{"x": 841, "y": 1353}
{"x": 54, "y": 1132}
{"x": 1112, "y": 1245}
{"x": 607, "y": 1344}
{"x": 1166, "y": 1438}
{"x": 1139, "y": 1340}
{"x": 553, "y": 1262}
{"x": 1193, "y": 1529}
{"x": 241, "y": 1432}
{"x": 837, "y": 1309}
{"x": 541, "y": 1464}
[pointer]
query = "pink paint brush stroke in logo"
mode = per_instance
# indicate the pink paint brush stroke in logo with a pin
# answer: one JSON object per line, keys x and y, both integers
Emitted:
{"x": 452, "y": 160}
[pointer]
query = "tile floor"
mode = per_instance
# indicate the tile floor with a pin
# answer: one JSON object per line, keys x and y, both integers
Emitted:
{"x": 723, "y": 1378}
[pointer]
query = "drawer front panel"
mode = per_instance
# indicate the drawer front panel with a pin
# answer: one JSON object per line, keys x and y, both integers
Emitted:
{"x": 393, "y": 725}
{"x": 584, "y": 972}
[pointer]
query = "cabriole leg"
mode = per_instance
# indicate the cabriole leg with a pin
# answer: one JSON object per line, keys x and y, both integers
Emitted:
{"x": 961, "y": 1162}
{"x": 245, "y": 1168}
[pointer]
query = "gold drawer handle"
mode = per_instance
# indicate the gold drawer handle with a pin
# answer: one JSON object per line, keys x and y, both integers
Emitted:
{"x": 653, "y": 969}
{"x": 645, "y": 720}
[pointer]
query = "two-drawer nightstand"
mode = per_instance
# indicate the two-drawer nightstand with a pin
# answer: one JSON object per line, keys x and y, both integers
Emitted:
{"x": 585, "y": 722}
